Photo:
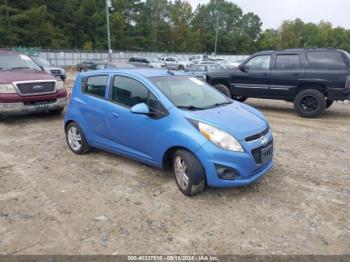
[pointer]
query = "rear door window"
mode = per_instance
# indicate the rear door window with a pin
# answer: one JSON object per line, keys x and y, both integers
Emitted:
{"x": 95, "y": 85}
{"x": 326, "y": 60}
{"x": 288, "y": 62}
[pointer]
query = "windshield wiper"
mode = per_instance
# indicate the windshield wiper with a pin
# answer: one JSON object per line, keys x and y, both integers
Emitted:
{"x": 21, "y": 67}
{"x": 220, "y": 104}
{"x": 191, "y": 107}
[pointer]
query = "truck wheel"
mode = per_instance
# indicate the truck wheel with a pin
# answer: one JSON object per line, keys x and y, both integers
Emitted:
{"x": 223, "y": 89}
{"x": 329, "y": 103}
{"x": 309, "y": 103}
{"x": 57, "y": 111}
{"x": 76, "y": 139}
{"x": 240, "y": 98}
{"x": 189, "y": 173}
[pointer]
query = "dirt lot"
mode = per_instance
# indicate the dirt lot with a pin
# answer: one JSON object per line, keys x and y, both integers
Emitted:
{"x": 54, "y": 202}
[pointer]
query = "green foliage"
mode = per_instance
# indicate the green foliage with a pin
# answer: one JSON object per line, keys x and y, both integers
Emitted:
{"x": 155, "y": 25}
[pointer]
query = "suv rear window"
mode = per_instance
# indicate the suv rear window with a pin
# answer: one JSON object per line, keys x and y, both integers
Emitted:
{"x": 326, "y": 60}
{"x": 288, "y": 62}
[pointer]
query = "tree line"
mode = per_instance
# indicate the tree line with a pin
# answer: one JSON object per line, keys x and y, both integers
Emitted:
{"x": 155, "y": 25}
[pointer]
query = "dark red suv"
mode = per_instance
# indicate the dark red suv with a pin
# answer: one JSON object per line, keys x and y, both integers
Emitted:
{"x": 25, "y": 88}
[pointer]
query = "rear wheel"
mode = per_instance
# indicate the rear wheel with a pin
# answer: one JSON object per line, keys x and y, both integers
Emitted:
{"x": 189, "y": 173}
{"x": 329, "y": 103}
{"x": 309, "y": 103}
{"x": 76, "y": 139}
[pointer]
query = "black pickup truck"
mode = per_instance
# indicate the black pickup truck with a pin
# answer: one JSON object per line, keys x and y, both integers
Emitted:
{"x": 311, "y": 78}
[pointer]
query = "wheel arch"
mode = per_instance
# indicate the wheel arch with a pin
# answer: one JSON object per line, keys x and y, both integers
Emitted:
{"x": 316, "y": 86}
{"x": 167, "y": 156}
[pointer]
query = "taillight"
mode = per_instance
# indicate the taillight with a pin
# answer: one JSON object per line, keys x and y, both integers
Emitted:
{"x": 347, "y": 83}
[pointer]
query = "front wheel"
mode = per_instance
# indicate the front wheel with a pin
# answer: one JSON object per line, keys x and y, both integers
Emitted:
{"x": 76, "y": 139}
{"x": 189, "y": 173}
{"x": 239, "y": 98}
{"x": 181, "y": 67}
{"x": 309, "y": 103}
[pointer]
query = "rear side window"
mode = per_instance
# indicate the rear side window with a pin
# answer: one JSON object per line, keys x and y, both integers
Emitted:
{"x": 129, "y": 92}
{"x": 95, "y": 85}
{"x": 288, "y": 62}
{"x": 326, "y": 60}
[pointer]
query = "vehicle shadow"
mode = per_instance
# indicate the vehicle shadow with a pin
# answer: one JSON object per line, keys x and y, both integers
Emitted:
{"x": 29, "y": 118}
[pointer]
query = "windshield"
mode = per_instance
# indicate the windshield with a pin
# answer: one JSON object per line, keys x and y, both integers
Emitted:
{"x": 17, "y": 62}
{"x": 189, "y": 92}
{"x": 41, "y": 61}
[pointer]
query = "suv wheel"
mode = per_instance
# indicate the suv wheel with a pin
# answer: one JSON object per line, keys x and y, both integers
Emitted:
{"x": 76, "y": 139}
{"x": 189, "y": 173}
{"x": 329, "y": 103}
{"x": 309, "y": 103}
{"x": 240, "y": 98}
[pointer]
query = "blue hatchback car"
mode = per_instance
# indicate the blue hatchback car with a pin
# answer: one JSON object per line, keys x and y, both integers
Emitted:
{"x": 170, "y": 120}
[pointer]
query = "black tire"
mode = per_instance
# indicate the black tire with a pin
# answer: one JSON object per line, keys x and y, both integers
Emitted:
{"x": 84, "y": 148}
{"x": 181, "y": 67}
{"x": 309, "y": 103}
{"x": 240, "y": 98}
{"x": 194, "y": 172}
{"x": 329, "y": 103}
{"x": 57, "y": 111}
{"x": 223, "y": 89}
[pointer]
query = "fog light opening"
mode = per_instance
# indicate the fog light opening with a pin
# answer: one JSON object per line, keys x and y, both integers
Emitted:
{"x": 226, "y": 173}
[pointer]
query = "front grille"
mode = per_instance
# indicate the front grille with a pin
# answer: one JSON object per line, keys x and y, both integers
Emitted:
{"x": 36, "y": 88}
{"x": 257, "y": 136}
{"x": 55, "y": 72}
{"x": 257, "y": 152}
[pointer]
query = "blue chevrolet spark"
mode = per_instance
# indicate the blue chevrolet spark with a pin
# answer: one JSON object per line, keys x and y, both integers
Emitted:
{"x": 170, "y": 120}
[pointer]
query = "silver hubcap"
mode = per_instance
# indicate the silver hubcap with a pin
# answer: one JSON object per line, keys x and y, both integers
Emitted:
{"x": 74, "y": 138}
{"x": 180, "y": 169}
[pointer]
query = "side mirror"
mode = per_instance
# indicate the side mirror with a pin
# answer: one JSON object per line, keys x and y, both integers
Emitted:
{"x": 242, "y": 67}
{"x": 141, "y": 109}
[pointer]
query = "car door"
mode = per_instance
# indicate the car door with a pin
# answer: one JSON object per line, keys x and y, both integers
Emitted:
{"x": 134, "y": 134}
{"x": 253, "y": 80}
{"x": 93, "y": 105}
{"x": 287, "y": 74}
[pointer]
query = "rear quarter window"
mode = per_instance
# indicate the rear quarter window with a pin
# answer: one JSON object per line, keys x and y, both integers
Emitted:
{"x": 326, "y": 60}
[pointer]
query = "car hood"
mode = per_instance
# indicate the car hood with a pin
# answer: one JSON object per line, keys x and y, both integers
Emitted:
{"x": 10, "y": 76}
{"x": 237, "y": 119}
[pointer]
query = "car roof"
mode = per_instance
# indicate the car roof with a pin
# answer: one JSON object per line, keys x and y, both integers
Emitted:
{"x": 144, "y": 72}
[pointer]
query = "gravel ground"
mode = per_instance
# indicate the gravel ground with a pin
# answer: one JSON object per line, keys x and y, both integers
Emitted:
{"x": 55, "y": 202}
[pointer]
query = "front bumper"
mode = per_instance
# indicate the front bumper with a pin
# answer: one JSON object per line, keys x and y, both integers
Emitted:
{"x": 242, "y": 163}
{"x": 23, "y": 108}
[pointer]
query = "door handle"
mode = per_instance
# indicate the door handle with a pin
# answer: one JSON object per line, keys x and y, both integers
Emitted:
{"x": 115, "y": 115}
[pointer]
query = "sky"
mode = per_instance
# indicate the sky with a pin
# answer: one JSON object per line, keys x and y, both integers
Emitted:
{"x": 274, "y": 12}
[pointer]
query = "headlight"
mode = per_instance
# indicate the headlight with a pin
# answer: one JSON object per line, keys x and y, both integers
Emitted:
{"x": 220, "y": 138}
{"x": 60, "y": 85}
{"x": 7, "y": 88}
